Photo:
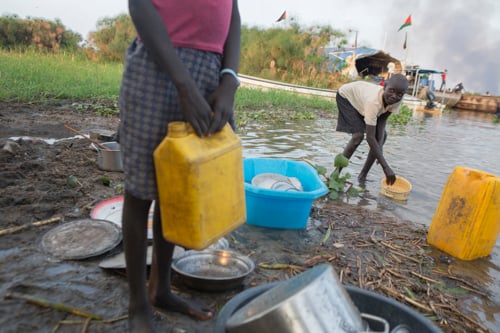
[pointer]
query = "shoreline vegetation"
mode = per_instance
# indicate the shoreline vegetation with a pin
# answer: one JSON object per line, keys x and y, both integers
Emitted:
{"x": 31, "y": 77}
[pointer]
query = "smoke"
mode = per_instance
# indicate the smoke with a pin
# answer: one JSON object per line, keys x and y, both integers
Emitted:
{"x": 460, "y": 36}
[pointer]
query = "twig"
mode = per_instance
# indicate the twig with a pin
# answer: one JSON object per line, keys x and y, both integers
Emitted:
{"x": 360, "y": 272}
{"x": 55, "y": 306}
{"x": 407, "y": 299}
{"x": 312, "y": 261}
{"x": 406, "y": 257}
{"x": 26, "y": 226}
{"x": 86, "y": 325}
{"x": 87, "y": 138}
{"x": 424, "y": 277}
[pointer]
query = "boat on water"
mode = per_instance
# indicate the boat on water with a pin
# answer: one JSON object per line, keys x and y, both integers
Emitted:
{"x": 422, "y": 81}
{"x": 419, "y": 105}
{"x": 482, "y": 103}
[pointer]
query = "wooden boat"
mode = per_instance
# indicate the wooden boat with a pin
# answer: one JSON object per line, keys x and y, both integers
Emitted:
{"x": 478, "y": 103}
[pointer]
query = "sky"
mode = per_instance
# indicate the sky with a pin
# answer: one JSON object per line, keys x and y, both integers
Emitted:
{"x": 462, "y": 36}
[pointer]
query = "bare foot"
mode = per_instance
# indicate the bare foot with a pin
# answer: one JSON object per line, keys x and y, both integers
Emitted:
{"x": 362, "y": 178}
{"x": 141, "y": 323}
{"x": 174, "y": 303}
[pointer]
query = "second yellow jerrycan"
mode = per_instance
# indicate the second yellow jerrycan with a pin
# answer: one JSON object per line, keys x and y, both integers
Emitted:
{"x": 466, "y": 223}
{"x": 200, "y": 185}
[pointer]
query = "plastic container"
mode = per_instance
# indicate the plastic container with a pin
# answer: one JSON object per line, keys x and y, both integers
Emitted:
{"x": 200, "y": 185}
{"x": 281, "y": 209}
{"x": 466, "y": 223}
{"x": 400, "y": 190}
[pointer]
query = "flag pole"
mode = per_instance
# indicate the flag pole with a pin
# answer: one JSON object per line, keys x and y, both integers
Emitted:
{"x": 406, "y": 50}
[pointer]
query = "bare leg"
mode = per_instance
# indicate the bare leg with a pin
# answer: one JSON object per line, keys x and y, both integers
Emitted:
{"x": 370, "y": 159}
{"x": 134, "y": 227}
{"x": 160, "y": 292}
{"x": 352, "y": 145}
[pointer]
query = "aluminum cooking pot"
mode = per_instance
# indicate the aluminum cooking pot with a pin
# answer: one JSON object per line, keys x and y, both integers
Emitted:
{"x": 313, "y": 301}
{"x": 110, "y": 160}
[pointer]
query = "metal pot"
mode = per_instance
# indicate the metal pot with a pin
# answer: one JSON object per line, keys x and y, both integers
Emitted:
{"x": 110, "y": 160}
{"x": 314, "y": 301}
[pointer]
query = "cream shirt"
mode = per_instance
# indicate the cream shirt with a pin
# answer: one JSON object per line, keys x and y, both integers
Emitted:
{"x": 366, "y": 98}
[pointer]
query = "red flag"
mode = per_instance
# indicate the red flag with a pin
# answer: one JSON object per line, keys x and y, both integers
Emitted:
{"x": 407, "y": 23}
{"x": 282, "y": 17}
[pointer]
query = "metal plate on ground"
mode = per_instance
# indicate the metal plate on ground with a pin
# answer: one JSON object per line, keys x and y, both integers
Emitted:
{"x": 81, "y": 239}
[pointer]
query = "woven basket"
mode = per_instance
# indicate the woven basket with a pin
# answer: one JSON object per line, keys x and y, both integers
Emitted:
{"x": 400, "y": 190}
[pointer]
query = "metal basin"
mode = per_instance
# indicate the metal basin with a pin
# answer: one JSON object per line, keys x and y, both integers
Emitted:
{"x": 213, "y": 270}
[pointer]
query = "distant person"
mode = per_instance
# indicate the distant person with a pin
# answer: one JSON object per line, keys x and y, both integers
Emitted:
{"x": 365, "y": 107}
{"x": 443, "y": 80}
{"x": 182, "y": 67}
{"x": 458, "y": 88}
{"x": 487, "y": 93}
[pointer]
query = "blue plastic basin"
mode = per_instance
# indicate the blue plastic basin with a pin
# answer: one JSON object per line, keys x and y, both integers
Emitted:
{"x": 281, "y": 209}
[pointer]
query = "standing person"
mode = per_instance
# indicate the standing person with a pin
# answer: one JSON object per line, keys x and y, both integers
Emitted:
{"x": 443, "y": 80}
{"x": 181, "y": 67}
{"x": 365, "y": 107}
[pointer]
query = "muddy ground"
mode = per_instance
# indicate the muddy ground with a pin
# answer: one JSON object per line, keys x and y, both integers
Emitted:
{"x": 368, "y": 250}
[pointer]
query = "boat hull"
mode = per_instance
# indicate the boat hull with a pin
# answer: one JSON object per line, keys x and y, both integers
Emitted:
{"x": 478, "y": 103}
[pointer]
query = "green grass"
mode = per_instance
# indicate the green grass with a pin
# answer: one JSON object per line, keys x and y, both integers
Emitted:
{"x": 35, "y": 77}
{"x": 31, "y": 76}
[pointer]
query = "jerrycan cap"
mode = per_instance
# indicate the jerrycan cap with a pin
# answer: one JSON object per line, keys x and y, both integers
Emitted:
{"x": 179, "y": 129}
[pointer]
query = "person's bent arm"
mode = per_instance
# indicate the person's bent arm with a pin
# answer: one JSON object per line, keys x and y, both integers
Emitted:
{"x": 376, "y": 148}
{"x": 154, "y": 35}
{"x": 222, "y": 100}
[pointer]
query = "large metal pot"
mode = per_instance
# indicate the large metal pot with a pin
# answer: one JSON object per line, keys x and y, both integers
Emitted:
{"x": 110, "y": 160}
{"x": 314, "y": 301}
{"x": 400, "y": 317}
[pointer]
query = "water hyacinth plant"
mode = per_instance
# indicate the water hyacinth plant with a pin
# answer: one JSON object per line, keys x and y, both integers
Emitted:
{"x": 338, "y": 184}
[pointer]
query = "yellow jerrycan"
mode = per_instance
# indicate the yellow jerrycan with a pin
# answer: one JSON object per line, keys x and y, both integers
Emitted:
{"x": 466, "y": 223}
{"x": 200, "y": 185}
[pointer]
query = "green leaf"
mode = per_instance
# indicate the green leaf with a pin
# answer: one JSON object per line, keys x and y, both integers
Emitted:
{"x": 320, "y": 169}
{"x": 72, "y": 181}
{"x": 333, "y": 195}
{"x": 341, "y": 161}
{"x": 334, "y": 185}
{"x": 105, "y": 181}
{"x": 354, "y": 192}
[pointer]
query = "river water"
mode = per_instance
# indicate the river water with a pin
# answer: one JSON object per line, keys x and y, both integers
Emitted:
{"x": 425, "y": 152}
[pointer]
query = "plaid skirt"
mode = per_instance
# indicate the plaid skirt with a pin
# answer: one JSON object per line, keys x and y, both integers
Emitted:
{"x": 349, "y": 120}
{"x": 148, "y": 102}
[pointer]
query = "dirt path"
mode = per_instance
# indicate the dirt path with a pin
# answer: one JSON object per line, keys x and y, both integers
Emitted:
{"x": 368, "y": 250}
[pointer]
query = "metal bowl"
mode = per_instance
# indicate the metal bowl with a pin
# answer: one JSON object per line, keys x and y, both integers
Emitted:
{"x": 213, "y": 270}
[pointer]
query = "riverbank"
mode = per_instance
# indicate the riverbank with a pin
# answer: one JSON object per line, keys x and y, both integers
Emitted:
{"x": 368, "y": 249}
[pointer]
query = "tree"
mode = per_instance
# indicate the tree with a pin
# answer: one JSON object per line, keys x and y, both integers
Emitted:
{"x": 112, "y": 38}
{"x": 292, "y": 54}
{"x": 41, "y": 34}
